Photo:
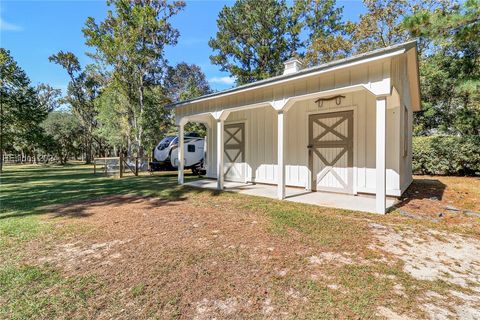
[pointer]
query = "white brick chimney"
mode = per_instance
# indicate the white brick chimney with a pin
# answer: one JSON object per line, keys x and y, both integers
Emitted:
{"x": 292, "y": 65}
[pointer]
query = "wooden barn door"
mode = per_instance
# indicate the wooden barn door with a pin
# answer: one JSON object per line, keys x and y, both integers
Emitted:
{"x": 331, "y": 151}
{"x": 235, "y": 152}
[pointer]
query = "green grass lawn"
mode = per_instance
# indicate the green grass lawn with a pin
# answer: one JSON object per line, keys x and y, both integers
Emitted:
{"x": 36, "y": 290}
{"x": 26, "y": 193}
{"x": 28, "y": 190}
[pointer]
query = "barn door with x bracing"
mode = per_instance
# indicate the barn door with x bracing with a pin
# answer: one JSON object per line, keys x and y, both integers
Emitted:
{"x": 235, "y": 152}
{"x": 331, "y": 151}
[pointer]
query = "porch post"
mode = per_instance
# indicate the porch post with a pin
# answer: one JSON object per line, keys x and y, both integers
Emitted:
{"x": 381, "y": 124}
{"x": 281, "y": 136}
{"x": 181, "y": 155}
{"x": 220, "y": 151}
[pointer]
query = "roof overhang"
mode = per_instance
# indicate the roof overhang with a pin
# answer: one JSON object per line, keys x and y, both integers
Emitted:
{"x": 413, "y": 75}
{"x": 310, "y": 72}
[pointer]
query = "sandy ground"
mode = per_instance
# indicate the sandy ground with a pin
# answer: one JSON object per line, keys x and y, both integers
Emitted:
{"x": 434, "y": 255}
{"x": 195, "y": 261}
{"x": 217, "y": 263}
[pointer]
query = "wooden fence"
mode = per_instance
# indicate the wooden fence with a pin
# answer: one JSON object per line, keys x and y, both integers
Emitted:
{"x": 120, "y": 165}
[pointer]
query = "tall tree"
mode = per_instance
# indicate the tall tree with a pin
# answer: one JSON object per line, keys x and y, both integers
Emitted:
{"x": 185, "y": 82}
{"x": 160, "y": 119}
{"x": 113, "y": 117}
{"x": 82, "y": 90}
{"x": 131, "y": 42}
{"x": 21, "y": 111}
{"x": 450, "y": 70}
{"x": 48, "y": 97}
{"x": 382, "y": 24}
{"x": 326, "y": 33}
{"x": 13, "y": 81}
{"x": 63, "y": 130}
{"x": 252, "y": 40}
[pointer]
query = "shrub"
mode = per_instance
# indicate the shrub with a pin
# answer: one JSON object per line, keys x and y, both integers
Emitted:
{"x": 446, "y": 155}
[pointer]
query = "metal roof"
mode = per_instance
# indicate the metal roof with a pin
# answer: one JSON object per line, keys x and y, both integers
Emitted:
{"x": 325, "y": 66}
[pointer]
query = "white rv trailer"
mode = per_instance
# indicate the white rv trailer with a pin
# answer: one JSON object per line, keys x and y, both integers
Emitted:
{"x": 165, "y": 154}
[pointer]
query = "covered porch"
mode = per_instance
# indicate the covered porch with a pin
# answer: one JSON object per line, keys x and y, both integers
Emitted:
{"x": 336, "y": 135}
{"x": 364, "y": 203}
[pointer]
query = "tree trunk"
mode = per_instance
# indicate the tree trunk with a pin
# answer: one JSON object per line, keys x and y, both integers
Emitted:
{"x": 140, "y": 129}
{"x": 131, "y": 124}
{"x": 129, "y": 147}
{"x": 88, "y": 147}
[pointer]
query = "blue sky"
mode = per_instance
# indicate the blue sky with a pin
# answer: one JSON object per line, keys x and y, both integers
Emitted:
{"x": 33, "y": 30}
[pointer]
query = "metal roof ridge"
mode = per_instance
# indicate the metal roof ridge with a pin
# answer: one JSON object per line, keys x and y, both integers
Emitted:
{"x": 406, "y": 45}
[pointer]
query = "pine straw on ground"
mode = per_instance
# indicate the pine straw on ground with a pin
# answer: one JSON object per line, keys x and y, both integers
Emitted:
{"x": 188, "y": 253}
{"x": 178, "y": 258}
{"x": 234, "y": 256}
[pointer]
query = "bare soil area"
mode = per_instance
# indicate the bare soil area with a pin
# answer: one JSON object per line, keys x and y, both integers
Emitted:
{"x": 202, "y": 260}
{"x": 454, "y": 201}
{"x": 437, "y": 256}
{"x": 185, "y": 259}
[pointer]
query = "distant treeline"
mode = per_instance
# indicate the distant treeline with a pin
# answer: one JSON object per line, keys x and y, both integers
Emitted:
{"x": 117, "y": 103}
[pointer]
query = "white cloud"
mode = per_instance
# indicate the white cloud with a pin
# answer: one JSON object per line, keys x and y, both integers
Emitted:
{"x": 7, "y": 26}
{"x": 222, "y": 80}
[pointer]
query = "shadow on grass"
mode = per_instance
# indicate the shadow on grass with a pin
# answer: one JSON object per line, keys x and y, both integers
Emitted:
{"x": 32, "y": 190}
{"x": 423, "y": 189}
{"x": 81, "y": 208}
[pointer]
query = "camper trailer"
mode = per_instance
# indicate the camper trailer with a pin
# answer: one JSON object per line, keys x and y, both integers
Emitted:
{"x": 165, "y": 154}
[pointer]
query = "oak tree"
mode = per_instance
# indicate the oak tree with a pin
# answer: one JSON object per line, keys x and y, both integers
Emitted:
{"x": 130, "y": 42}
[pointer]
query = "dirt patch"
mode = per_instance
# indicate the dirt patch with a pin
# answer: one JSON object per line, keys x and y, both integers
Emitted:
{"x": 449, "y": 200}
{"x": 389, "y": 314}
{"x": 433, "y": 255}
{"x": 187, "y": 258}
{"x": 331, "y": 257}
{"x": 205, "y": 258}
{"x": 73, "y": 255}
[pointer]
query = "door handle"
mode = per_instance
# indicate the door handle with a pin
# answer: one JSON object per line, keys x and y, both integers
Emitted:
{"x": 309, "y": 147}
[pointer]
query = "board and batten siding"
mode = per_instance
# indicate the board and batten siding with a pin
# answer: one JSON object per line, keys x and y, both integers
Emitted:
{"x": 261, "y": 124}
{"x": 402, "y": 99}
{"x": 261, "y": 142}
{"x": 375, "y": 76}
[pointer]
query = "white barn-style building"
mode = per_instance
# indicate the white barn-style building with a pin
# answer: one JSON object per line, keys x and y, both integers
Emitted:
{"x": 338, "y": 134}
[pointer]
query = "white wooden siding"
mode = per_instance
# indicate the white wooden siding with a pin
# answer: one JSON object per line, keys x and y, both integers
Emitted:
{"x": 261, "y": 125}
{"x": 261, "y": 144}
{"x": 374, "y": 76}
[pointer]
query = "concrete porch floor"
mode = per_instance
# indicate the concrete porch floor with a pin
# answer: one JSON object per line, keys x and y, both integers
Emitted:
{"x": 365, "y": 203}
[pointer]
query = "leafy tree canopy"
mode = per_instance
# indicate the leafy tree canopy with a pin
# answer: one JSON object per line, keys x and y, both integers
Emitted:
{"x": 83, "y": 88}
{"x": 326, "y": 34}
{"x": 130, "y": 42}
{"x": 251, "y": 42}
{"x": 22, "y": 109}
{"x": 63, "y": 131}
{"x": 450, "y": 69}
{"x": 186, "y": 81}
